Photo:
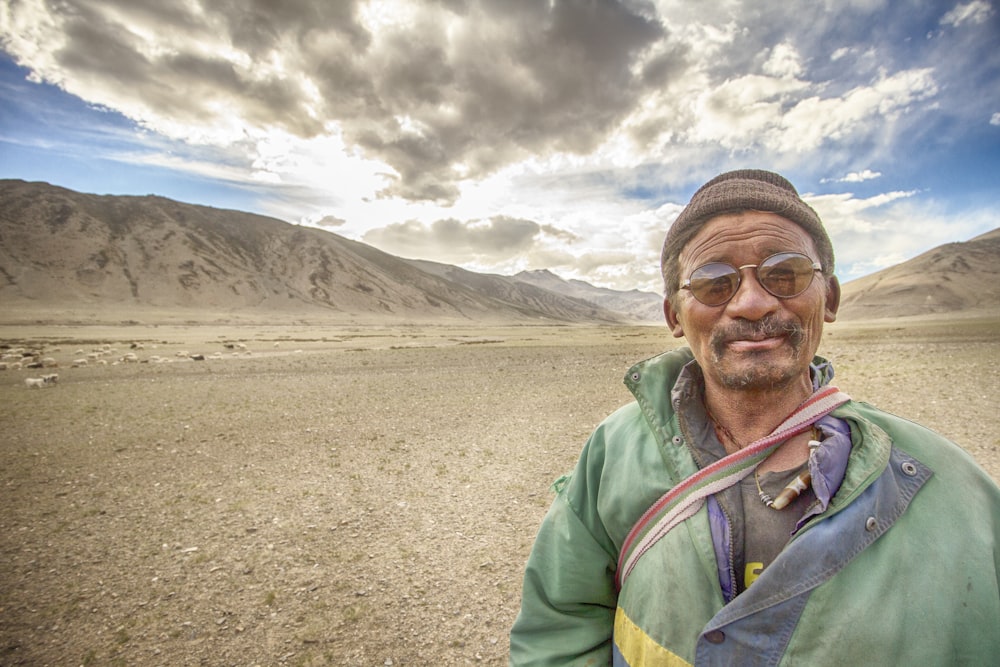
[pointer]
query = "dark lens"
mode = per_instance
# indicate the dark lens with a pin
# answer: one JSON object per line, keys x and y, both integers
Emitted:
{"x": 715, "y": 283}
{"x": 785, "y": 274}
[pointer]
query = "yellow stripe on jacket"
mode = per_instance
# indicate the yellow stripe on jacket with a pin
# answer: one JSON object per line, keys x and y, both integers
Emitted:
{"x": 638, "y": 648}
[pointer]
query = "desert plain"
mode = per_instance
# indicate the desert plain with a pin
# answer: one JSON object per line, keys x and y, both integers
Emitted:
{"x": 342, "y": 494}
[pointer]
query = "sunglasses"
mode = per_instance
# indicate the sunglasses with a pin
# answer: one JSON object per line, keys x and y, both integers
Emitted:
{"x": 785, "y": 274}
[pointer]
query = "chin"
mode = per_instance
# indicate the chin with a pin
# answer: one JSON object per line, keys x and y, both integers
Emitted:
{"x": 760, "y": 374}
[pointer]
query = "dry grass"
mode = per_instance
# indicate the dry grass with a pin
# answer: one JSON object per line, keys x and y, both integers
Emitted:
{"x": 351, "y": 496}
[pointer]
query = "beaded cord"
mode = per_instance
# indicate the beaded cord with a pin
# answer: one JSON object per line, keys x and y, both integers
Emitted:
{"x": 793, "y": 489}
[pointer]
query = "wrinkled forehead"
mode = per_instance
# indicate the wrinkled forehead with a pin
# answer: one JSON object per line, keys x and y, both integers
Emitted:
{"x": 745, "y": 237}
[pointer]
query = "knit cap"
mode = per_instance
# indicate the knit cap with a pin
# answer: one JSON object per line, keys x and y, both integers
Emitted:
{"x": 743, "y": 189}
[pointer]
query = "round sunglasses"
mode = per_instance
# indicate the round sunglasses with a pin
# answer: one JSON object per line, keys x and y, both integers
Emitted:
{"x": 784, "y": 274}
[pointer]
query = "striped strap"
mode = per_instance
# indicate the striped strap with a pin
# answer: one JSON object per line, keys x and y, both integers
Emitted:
{"x": 685, "y": 499}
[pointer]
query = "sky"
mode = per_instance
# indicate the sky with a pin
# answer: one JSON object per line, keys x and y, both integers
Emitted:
{"x": 509, "y": 135}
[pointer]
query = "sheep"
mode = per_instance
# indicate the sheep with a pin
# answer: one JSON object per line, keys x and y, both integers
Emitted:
{"x": 44, "y": 381}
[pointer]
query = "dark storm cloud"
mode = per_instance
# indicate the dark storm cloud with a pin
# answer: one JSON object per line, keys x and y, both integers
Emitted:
{"x": 95, "y": 47}
{"x": 514, "y": 79}
{"x": 458, "y": 89}
{"x": 184, "y": 84}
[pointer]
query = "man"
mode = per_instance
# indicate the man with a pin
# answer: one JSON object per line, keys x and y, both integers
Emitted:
{"x": 742, "y": 510}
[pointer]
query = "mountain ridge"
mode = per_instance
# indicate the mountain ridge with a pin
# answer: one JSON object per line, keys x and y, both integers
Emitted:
{"x": 953, "y": 278}
{"x": 65, "y": 250}
{"x": 65, "y": 254}
{"x": 646, "y": 306}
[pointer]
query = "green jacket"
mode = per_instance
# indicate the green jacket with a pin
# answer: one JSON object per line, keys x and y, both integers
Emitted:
{"x": 903, "y": 568}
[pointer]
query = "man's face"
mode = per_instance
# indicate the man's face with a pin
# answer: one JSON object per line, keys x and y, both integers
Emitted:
{"x": 755, "y": 341}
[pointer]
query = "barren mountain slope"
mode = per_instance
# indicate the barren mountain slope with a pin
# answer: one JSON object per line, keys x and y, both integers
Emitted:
{"x": 69, "y": 253}
{"x": 62, "y": 248}
{"x": 513, "y": 290}
{"x": 643, "y": 306}
{"x": 952, "y": 278}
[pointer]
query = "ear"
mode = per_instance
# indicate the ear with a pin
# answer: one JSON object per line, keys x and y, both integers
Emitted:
{"x": 832, "y": 299}
{"x": 673, "y": 319}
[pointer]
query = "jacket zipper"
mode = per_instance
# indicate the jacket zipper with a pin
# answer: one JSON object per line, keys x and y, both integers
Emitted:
{"x": 734, "y": 585}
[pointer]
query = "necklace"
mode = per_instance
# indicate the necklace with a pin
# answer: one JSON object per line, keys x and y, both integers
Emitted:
{"x": 791, "y": 491}
{"x": 794, "y": 488}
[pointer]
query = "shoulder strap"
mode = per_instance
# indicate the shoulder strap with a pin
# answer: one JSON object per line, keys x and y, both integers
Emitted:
{"x": 684, "y": 500}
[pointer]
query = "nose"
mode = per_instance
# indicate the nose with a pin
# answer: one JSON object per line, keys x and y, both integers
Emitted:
{"x": 751, "y": 301}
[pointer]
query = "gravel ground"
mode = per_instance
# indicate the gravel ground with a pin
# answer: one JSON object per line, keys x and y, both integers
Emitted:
{"x": 340, "y": 496}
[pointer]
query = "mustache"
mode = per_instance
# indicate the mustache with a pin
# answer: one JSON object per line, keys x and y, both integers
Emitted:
{"x": 767, "y": 327}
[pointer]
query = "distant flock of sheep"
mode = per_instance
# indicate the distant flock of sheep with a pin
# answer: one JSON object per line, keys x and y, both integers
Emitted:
{"x": 27, "y": 358}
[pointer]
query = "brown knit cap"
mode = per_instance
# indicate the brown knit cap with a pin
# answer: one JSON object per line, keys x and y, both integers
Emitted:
{"x": 741, "y": 190}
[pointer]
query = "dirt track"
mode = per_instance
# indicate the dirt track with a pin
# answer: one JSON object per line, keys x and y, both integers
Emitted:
{"x": 349, "y": 497}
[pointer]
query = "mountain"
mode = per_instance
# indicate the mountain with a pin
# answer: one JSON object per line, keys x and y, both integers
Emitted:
{"x": 69, "y": 252}
{"x": 642, "y": 306}
{"x": 65, "y": 254}
{"x": 952, "y": 278}
{"x": 511, "y": 290}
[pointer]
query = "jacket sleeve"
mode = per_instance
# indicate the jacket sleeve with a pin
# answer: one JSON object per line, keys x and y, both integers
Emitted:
{"x": 568, "y": 599}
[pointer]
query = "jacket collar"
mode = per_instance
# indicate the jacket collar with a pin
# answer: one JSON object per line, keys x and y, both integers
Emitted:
{"x": 652, "y": 382}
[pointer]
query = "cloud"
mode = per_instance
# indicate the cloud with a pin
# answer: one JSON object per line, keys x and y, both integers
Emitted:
{"x": 435, "y": 95}
{"x": 845, "y": 211}
{"x": 876, "y": 232}
{"x": 440, "y": 94}
{"x": 330, "y": 221}
{"x": 437, "y": 92}
{"x": 783, "y": 62}
{"x": 497, "y": 238}
{"x": 975, "y": 12}
{"x": 854, "y": 177}
{"x": 861, "y": 112}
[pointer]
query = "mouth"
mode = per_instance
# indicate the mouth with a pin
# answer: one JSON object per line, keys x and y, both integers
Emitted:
{"x": 755, "y": 344}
